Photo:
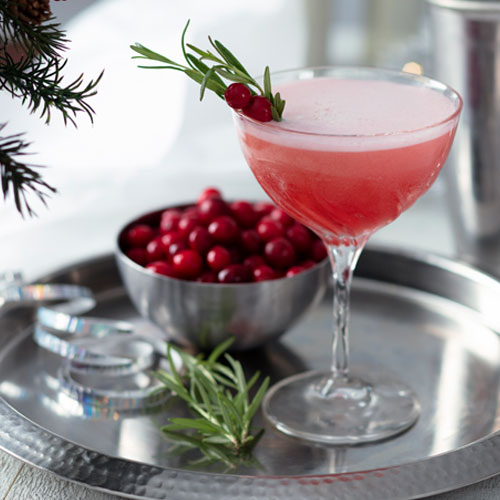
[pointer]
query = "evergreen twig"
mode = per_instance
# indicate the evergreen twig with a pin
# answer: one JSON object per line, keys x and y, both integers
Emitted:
{"x": 46, "y": 40}
{"x": 19, "y": 177}
{"x": 218, "y": 396}
{"x": 31, "y": 69}
{"x": 38, "y": 83}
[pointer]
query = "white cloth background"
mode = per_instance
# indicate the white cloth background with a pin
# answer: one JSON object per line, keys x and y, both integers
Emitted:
{"x": 152, "y": 142}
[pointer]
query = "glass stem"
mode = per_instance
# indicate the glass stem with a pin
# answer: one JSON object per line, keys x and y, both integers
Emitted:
{"x": 343, "y": 259}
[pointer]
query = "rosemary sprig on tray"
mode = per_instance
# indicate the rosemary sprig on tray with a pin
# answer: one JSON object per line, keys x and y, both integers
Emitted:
{"x": 218, "y": 396}
{"x": 223, "y": 65}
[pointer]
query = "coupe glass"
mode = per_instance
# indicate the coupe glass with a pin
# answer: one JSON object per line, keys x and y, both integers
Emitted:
{"x": 344, "y": 186}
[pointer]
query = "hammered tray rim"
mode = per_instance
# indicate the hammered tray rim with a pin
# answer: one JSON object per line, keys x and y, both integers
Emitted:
{"x": 471, "y": 463}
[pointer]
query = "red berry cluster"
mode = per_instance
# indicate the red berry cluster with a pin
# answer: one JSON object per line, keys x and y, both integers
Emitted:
{"x": 257, "y": 107}
{"x": 219, "y": 242}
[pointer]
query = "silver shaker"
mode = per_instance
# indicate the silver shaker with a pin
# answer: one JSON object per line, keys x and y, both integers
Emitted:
{"x": 466, "y": 55}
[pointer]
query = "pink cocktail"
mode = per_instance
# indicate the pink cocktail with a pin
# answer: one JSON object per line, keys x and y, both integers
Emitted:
{"x": 356, "y": 147}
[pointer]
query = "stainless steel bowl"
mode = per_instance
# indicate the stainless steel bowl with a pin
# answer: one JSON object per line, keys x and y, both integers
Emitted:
{"x": 205, "y": 314}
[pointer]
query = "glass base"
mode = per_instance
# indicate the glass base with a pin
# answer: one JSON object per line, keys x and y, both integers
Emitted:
{"x": 360, "y": 409}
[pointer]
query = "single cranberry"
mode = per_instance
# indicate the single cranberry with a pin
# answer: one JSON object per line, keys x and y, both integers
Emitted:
{"x": 244, "y": 213}
{"x": 169, "y": 220}
{"x": 253, "y": 261}
{"x": 218, "y": 258}
{"x": 250, "y": 241}
{"x": 224, "y": 229}
{"x": 263, "y": 208}
{"x": 154, "y": 250}
{"x": 191, "y": 211}
{"x": 300, "y": 237}
{"x": 187, "y": 223}
{"x": 318, "y": 250}
{"x": 207, "y": 193}
{"x": 171, "y": 237}
{"x": 162, "y": 267}
{"x": 263, "y": 273}
{"x": 259, "y": 108}
{"x": 294, "y": 270}
{"x": 211, "y": 208}
{"x": 234, "y": 273}
{"x": 175, "y": 248}
{"x": 187, "y": 264}
{"x": 207, "y": 277}
{"x": 138, "y": 255}
{"x": 139, "y": 235}
{"x": 281, "y": 216}
{"x": 199, "y": 239}
{"x": 269, "y": 229}
{"x": 280, "y": 253}
{"x": 171, "y": 212}
{"x": 237, "y": 95}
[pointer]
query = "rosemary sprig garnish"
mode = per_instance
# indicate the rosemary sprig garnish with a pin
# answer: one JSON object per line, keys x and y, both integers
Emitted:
{"x": 222, "y": 65}
{"x": 218, "y": 396}
{"x": 215, "y": 457}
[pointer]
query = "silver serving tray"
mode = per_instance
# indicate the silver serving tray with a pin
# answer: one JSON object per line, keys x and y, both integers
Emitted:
{"x": 431, "y": 321}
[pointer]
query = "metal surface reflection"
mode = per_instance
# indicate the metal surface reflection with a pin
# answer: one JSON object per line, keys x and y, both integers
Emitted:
{"x": 434, "y": 319}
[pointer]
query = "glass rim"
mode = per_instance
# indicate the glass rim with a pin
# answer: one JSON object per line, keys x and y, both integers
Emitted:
{"x": 431, "y": 83}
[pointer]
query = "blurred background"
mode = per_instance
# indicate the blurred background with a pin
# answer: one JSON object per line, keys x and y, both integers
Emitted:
{"x": 152, "y": 142}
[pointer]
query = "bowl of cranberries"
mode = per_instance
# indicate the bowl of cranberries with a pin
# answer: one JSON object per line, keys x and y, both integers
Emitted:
{"x": 215, "y": 269}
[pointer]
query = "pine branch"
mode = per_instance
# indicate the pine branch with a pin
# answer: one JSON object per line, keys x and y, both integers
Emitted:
{"x": 31, "y": 70}
{"x": 45, "y": 40}
{"x": 38, "y": 83}
{"x": 19, "y": 178}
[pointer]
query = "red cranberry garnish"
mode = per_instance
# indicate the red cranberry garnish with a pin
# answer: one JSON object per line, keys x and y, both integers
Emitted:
{"x": 199, "y": 239}
{"x": 233, "y": 239}
{"x": 269, "y": 228}
{"x": 300, "y": 237}
{"x": 207, "y": 193}
{"x": 207, "y": 277}
{"x": 235, "y": 273}
{"x": 307, "y": 264}
{"x": 280, "y": 253}
{"x": 224, "y": 229}
{"x": 171, "y": 237}
{"x": 237, "y": 95}
{"x": 263, "y": 273}
{"x": 139, "y": 235}
{"x": 154, "y": 250}
{"x": 263, "y": 208}
{"x": 244, "y": 213}
{"x": 318, "y": 250}
{"x": 236, "y": 254}
{"x": 294, "y": 270}
{"x": 253, "y": 261}
{"x": 175, "y": 248}
{"x": 250, "y": 241}
{"x": 187, "y": 264}
{"x": 187, "y": 223}
{"x": 162, "y": 267}
{"x": 211, "y": 208}
{"x": 192, "y": 211}
{"x": 218, "y": 258}
{"x": 281, "y": 216}
{"x": 259, "y": 108}
{"x": 138, "y": 255}
{"x": 169, "y": 220}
